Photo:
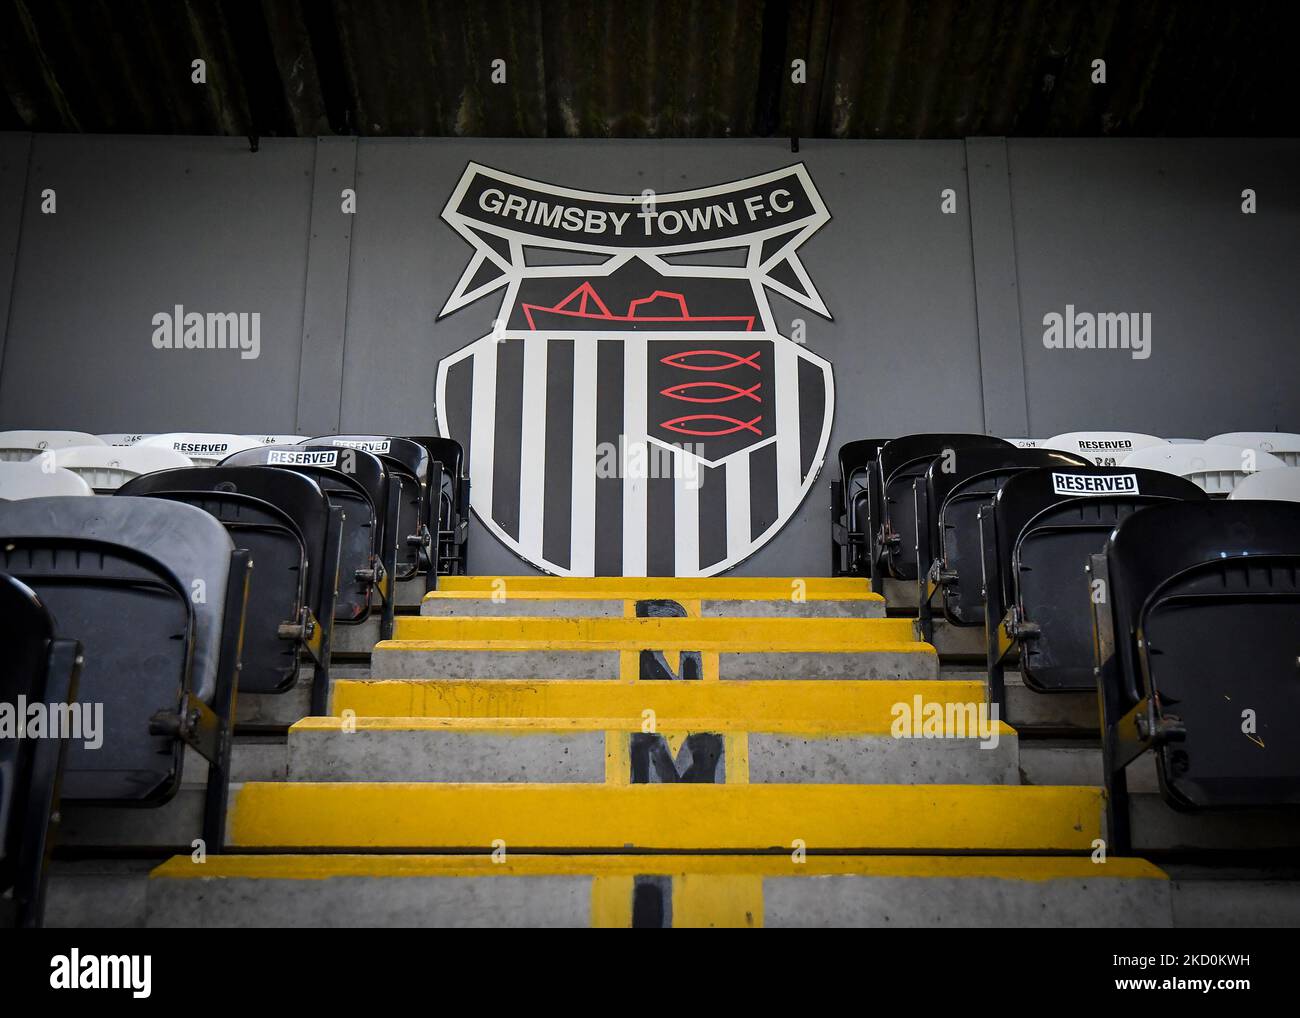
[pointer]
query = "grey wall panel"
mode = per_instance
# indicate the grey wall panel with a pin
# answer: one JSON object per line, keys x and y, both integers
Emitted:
{"x": 144, "y": 224}
{"x": 324, "y": 324}
{"x": 1002, "y": 369}
{"x": 1112, "y": 226}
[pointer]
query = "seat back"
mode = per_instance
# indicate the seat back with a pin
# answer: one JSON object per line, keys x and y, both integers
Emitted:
{"x": 1216, "y": 468}
{"x": 27, "y": 445}
{"x": 449, "y": 518}
{"x": 106, "y": 468}
{"x": 356, "y": 482}
{"x": 42, "y": 670}
{"x": 123, "y": 576}
{"x": 1046, "y": 525}
{"x": 899, "y": 465}
{"x": 205, "y": 450}
{"x": 1284, "y": 445}
{"x": 284, "y": 519}
{"x": 1104, "y": 448}
{"x": 32, "y": 479}
{"x": 1279, "y": 485}
{"x": 277, "y": 439}
{"x": 851, "y": 514}
{"x": 409, "y": 462}
{"x": 1028, "y": 443}
{"x": 122, "y": 438}
{"x": 1204, "y": 602}
{"x": 954, "y": 494}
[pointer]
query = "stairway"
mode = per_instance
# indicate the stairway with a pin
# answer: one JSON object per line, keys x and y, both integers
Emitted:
{"x": 656, "y": 752}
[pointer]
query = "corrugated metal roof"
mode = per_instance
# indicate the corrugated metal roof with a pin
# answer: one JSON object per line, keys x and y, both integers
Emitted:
{"x": 638, "y": 68}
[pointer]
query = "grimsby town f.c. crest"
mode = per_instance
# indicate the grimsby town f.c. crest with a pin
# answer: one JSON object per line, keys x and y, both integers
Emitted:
{"x": 633, "y": 410}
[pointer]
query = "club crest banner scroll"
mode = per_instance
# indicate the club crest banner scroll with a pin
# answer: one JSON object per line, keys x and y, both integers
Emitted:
{"x": 633, "y": 409}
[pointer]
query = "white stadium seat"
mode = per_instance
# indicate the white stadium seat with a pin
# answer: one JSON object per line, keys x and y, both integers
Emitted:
{"x": 205, "y": 450}
{"x": 1281, "y": 444}
{"x": 278, "y": 439}
{"x": 106, "y": 468}
{"x": 1216, "y": 468}
{"x": 122, "y": 438}
{"x": 1105, "y": 448}
{"x": 32, "y": 479}
{"x": 26, "y": 445}
{"x": 1276, "y": 485}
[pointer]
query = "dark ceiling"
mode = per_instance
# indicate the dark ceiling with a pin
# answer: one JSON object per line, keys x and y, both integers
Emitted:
{"x": 676, "y": 68}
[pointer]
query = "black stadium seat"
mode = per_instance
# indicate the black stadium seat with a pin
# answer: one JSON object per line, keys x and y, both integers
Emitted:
{"x": 948, "y": 501}
{"x": 1196, "y": 653}
{"x": 850, "y": 514}
{"x": 409, "y": 462}
{"x": 155, "y": 592}
{"x": 359, "y": 484}
{"x": 1037, "y": 537}
{"x": 293, "y": 533}
{"x": 39, "y": 668}
{"x": 450, "y": 522}
{"x": 898, "y": 466}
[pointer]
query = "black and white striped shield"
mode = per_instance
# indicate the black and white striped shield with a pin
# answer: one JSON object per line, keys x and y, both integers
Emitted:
{"x": 635, "y": 411}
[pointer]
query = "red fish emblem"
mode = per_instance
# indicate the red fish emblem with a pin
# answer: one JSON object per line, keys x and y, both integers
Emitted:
{"x": 678, "y": 424}
{"x": 730, "y": 392}
{"x": 729, "y": 360}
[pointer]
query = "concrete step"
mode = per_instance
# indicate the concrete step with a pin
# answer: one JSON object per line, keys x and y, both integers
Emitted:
{"x": 277, "y": 711}
{"x": 680, "y": 891}
{"x": 1216, "y": 896}
{"x": 619, "y": 751}
{"x": 390, "y": 890}
{"x": 602, "y": 648}
{"x": 98, "y": 893}
{"x": 1027, "y": 710}
{"x": 957, "y": 643}
{"x": 358, "y": 638}
{"x": 409, "y": 593}
{"x": 758, "y": 702}
{"x": 342, "y": 816}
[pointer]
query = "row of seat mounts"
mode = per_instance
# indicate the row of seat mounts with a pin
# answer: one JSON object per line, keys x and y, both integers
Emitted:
{"x": 139, "y": 593}
{"x": 1177, "y": 605}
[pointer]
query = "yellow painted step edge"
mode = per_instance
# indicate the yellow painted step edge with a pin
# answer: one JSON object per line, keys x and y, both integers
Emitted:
{"x": 325, "y": 867}
{"x": 828, "y": 727}
{"x": 685, "y": 817}
{"x": 753, "y": 634}
{"x": 754, "y": 701}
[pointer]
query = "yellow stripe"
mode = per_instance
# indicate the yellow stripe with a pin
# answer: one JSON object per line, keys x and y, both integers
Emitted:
{"x": 738, "y": 727}
{"x": 615, "y": 588}
{"x": 415, "y": 632}
{"x": 611, "y": 901}
{"x": 711, "y": 901}
{"x": 761, "y": 705}
{"x": 690, "y": 817}
{"x": 735, "y": 756}
{"x": 618, "y": 758}
{"x": 325, "y": 867}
